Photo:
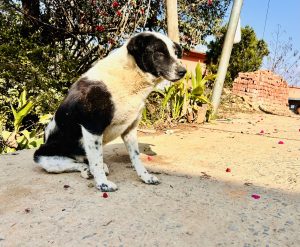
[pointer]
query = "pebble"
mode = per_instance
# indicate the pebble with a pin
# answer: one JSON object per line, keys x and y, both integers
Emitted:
{"x": 169, "y": 132}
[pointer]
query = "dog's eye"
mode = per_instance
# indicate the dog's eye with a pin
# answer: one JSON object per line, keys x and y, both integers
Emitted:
{"x": 178, "y": 54}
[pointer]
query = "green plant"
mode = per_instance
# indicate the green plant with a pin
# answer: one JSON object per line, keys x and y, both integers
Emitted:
{"x": 184, "y": 98}
{"x": 21, "y": 139}
{"x": 23, "y": 109}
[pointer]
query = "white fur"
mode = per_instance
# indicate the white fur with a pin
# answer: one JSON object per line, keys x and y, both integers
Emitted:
{"x": 128, "y": 85}
{"x": 130, "y": 140}
{"x": 94, "y": 152}
{"x": 50, "y": 128}
{"x": 58, "y": 164}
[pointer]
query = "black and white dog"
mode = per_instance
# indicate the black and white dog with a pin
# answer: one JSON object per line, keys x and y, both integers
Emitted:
{"x": 106, "y": 102}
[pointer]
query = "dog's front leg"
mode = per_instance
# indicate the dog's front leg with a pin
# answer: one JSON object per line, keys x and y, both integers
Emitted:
{"x": 131, "y": 143}
{"x": 94, "y": 152}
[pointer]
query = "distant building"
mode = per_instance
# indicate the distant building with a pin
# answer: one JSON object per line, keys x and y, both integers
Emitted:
{"x": 191, "y": 58}
{"x": 294, "y": 99}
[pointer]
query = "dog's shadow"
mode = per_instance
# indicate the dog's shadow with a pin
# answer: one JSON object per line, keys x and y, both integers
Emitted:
{"x": 117, "y": 153}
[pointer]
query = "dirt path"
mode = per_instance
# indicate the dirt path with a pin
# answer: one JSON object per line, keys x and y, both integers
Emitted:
{"x": 198, "y": 203}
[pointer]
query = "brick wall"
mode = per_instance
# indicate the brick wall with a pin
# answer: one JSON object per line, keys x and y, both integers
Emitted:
{"x": 264, "y": 89}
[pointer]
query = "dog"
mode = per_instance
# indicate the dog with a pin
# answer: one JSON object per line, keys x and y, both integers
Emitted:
{"x": 106, "y": 102}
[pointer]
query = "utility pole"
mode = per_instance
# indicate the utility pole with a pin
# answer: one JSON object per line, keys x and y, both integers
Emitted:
{"x": 226, "y": 52}
{"x": 172, "y": 20}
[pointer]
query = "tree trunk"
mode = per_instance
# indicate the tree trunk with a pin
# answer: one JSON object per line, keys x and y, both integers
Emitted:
{"x": 31, "y": 10}
{"x": 172, "y": 20}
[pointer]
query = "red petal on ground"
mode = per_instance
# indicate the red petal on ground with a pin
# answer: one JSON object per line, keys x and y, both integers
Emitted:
{"x": 228, "y": 170}
{"x": 149, "y": 158}
{"x": 105, "y": 195}
{"x": 280, "y": 142}
{"x": 262, "y": 132}
{"x": 255, "y": 196}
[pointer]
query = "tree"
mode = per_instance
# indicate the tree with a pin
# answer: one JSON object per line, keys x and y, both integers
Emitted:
{"x": 283, "y": 58}
{"x": 199, "y": 19}
{"x": 98, "y": 26}
{"x": 247, "y": 55}
{"x": 49, "y": 43}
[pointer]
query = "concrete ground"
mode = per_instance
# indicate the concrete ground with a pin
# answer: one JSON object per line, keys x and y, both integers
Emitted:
{"x": 197, "y": 203}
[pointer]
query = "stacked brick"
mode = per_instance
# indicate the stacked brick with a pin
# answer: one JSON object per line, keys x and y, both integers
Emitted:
{"x": 263, "y": 89}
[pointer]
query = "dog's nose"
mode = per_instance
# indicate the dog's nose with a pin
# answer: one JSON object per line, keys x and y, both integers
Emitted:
{"x": 181, "y": 71}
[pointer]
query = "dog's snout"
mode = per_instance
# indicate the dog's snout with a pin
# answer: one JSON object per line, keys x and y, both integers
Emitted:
{"x": 181, "y": 71}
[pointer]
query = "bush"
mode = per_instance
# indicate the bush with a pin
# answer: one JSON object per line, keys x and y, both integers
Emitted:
{"x": 181, "y": 101}
{"x": 30, "y": 137}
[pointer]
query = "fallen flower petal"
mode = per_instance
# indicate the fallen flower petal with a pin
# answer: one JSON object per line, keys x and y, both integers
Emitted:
{"x": 262, "y": 132}
{"x": 228, "y": 170}
{"x": 280, "y": 142}
{"x": 255, "y": 196}
{"x": 149, "y": 158}
{"x": 105, "y": 195}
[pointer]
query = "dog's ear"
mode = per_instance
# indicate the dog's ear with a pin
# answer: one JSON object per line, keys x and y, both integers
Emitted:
{"x": 136, "y": 45}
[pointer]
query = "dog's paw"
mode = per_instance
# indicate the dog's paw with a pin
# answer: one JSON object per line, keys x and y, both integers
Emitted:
{"x": 149, "y": 179}
{"x": 105, "y": 168}
{"x": 107, "y": 186}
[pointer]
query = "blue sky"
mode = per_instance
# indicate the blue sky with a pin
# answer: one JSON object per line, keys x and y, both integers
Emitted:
{"x": 285, "y": 13}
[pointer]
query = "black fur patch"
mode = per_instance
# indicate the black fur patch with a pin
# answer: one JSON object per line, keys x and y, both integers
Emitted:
{"x": 150, "y": 53}
{"x": 178, "y": 50}
{"x": 89, "y": 104}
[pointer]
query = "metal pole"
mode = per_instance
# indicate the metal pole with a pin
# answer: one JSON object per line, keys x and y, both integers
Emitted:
{"x": 226, "y": 52}
{"x": 172, "y": 20}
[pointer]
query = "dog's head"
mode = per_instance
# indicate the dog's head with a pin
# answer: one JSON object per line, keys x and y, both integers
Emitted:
{"x": 156, "y": 54}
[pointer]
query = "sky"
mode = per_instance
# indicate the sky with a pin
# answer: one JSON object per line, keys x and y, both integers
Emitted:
{"x": 285, "y": 13}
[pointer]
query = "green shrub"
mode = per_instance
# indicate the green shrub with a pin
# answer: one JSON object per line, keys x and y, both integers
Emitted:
{"x": 17, "y": 139}
{"x": 180, "y": 101}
